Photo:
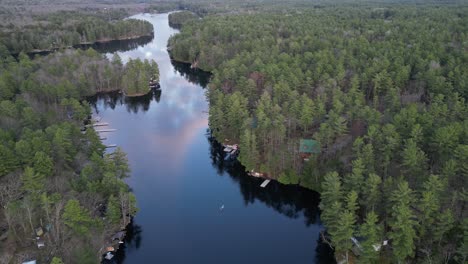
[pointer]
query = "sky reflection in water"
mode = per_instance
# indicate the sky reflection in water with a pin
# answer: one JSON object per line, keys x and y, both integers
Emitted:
{"x": 180, "y": 180}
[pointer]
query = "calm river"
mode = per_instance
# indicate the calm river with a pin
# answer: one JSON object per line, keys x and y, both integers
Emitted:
{"x": 181, "y": 183}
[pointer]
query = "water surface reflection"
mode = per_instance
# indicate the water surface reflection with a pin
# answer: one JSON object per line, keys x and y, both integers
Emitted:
{"x": 192, "y": 75}
{"x": 117, "y": 45}
{"x": 181, "y": 182}
{"x": 133, "y": 104}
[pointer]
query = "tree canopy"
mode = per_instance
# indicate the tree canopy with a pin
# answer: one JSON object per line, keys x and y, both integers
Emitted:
{"x": 380, "y": 87}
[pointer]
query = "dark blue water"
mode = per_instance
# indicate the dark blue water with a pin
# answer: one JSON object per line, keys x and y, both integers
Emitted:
{"x": 181, "y": 182}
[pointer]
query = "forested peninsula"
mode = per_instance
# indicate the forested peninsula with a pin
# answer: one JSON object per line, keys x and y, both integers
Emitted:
{"x": 177, "y": 19}
{"x": 51, "y": 31}
{"x": 55, "y": 175}
{"x": 380, "y": 90}
{"x": 56, "y": 180}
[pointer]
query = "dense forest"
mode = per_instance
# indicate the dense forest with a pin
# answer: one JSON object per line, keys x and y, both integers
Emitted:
{"x": 382, "y": 90}
{"x": 53, "y": 174}
{"x": 380, "y": 87}
{"x": 177, "y": 19}
{"x": 79, "y": 73}
{"x": 69, "y": 28}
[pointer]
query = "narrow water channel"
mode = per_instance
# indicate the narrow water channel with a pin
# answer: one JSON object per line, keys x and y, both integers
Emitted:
{"x": 181, "y": 182}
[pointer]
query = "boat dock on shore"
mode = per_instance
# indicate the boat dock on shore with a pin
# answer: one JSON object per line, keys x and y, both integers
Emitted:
{"x": 106, "y": 130}
{"x": 265, "y": 183}
{"x": 102, "y": 124}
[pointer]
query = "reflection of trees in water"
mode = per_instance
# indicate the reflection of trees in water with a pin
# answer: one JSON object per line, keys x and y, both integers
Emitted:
{"x": 111, "y": 100}
{"x": 194, "y": 76}
{"x": 324, "y": 254}
{"x": 132, "y": 241}
{"x": 133, "y": 104}
{"x": 104, "y": 47}
{"x": 117, "y": 45}
{"x": 289, "y": 200}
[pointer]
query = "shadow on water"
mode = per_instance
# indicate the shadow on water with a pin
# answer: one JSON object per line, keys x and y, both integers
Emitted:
{"x": 117, "y": 45}
{"x": 289, "y": 200}
{"x": 102, "y": 47}
{"x": 132, "y": 241}
{"x": 292, "y": 201}
{"x": 194, "y": 76}
{"x": 142, "y": 103}
{"x": 324, "y": 253}
{"x": 133, "y": 104}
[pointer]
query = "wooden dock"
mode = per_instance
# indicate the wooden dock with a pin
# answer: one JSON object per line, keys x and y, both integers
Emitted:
{"x": 265, "y": 183}
{"x": 106, "y": 130}
{"x": 97, "y": 125}
{"x": 100, "y": 124}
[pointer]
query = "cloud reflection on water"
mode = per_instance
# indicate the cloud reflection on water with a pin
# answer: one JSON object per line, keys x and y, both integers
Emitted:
{"x": 179, "y": 191}
{"x": 178, "y": 115}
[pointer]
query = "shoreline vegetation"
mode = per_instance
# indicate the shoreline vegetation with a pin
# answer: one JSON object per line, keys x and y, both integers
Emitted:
{"x": 177, "y": 19}
{"x": 75, "y": 46}
{"x": 379, "y": 86}
{"x": 381, "y": 94}
{"x": 70, "y": 28}
{"x": 62, "y": 198}
{"x": 56, "y": 181}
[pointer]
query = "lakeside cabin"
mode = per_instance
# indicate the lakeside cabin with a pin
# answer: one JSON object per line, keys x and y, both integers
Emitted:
{"x": 118, "y": 236}
{"x": 229, "y": 148}
{"x": 256, "y": 174}
{"x": 231, "y": 152}
{"x": 307, "y": 147}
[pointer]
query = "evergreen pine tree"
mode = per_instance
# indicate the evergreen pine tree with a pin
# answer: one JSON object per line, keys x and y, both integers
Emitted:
{"x": 402, "y": 223}
{"x": 113, "y": 210}
{"x": 371, "y": 231}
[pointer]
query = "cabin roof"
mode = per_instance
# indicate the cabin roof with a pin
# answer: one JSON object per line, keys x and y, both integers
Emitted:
{"x": 119, "y": 235}
{"x": 309, "y": 146}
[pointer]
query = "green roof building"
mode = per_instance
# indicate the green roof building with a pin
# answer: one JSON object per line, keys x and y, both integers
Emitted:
{"x": 309, "y": 146}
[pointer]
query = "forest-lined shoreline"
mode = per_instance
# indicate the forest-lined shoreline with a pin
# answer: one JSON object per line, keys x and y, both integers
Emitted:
{"x": 377, "y": 90}
{"x": 76, "y": 46}
{"x": 93, "y": 201}
{"x": 381, "y": 90}
{"x": 57, "y": 182}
